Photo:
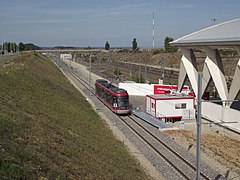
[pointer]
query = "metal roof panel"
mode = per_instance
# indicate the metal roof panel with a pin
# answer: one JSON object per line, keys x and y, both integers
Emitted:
{"x": 227, "y": 33}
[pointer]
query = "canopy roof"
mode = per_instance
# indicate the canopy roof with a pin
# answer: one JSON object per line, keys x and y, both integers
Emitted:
{"x": 223, "y": 35}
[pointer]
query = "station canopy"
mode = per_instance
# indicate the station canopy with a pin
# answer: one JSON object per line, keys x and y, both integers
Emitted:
{"x": 221, "y": 35}
{"x": 210, "y": 40}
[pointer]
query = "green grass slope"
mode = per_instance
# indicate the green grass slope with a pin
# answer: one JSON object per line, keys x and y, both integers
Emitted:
{"x": 48, "y": 129}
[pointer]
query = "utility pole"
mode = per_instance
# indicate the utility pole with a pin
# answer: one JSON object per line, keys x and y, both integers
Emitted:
{"x": 139, "y": 73}
{"x": 118, "y": 70}
{"x": 199, "y": 123}
{"x": 161, "y": 70}
{"x": 145, "y": 71}
{"x": 89, "y": 76}
{"x": 129, "y": 65}
{"x": 4, "y": 43}
{"x": 153, "y": 24}
{"x": 109, "y": 56}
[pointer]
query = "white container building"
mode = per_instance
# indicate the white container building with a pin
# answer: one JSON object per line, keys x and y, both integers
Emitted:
{"x": 170, "y": 107}
{"x": 66, "y": 56}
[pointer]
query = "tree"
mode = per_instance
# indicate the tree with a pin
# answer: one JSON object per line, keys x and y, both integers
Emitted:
{"x": 30, "y": 47}
{"x": 14, "y": 47}
{"x": 9, "y": 47}
{"x": 107, "y": 46}
{"x": 134, "y": 44}
{"x": 168, "y": 47}
{"x": 5, "y": 46}
{"x": 21, "y": 46}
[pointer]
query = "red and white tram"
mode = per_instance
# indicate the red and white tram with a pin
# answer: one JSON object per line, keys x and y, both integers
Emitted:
{"x": 115, "y": 98}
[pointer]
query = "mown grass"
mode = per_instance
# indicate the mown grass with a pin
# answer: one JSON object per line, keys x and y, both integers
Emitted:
{"x": 48, "y": 129}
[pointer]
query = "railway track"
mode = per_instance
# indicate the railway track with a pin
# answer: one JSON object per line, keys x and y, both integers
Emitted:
{"x": 170, "y": 75}
{"x": 178, "y": 163}
{"x": 127, "y": 69}
{"x": 69, "y": 71}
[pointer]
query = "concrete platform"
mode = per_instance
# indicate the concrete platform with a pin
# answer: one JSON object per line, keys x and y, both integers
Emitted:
{"x": 152, "y": 120}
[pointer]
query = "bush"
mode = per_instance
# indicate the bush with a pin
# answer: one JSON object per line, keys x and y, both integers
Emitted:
{"x": 158, "y": 51}
{"x": 136, "y": 78}
{"x": 117, "y": 71}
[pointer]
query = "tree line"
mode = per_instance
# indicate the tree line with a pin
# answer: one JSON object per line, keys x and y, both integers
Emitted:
{"x": 12, "y": 47}
{"x": 8, "y": 47}
{"x": 167, "y": 46}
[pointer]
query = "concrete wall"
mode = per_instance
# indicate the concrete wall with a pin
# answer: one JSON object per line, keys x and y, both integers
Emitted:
{"x": 140, "y": 89}
{"x": 137, "y": 89}
{"x": 220, "y": 114}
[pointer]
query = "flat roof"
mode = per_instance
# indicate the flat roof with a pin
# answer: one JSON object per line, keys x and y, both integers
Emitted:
{"x": 170, "y": 96}
{"x": 223, "y": 34}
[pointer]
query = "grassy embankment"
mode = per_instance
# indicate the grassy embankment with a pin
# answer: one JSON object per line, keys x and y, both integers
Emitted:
{"x": 48, "y": 129}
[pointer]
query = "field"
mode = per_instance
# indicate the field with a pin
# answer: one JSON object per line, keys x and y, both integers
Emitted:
{"x": 49, "y": 131}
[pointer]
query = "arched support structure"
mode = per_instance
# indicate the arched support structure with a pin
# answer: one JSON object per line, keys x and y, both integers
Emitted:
{"x": 235, "y": 86}
{"x": 213, "y": 69}
{"x": 213, "y": 63}
{"x": 188, "y": 68}
{"x": 206, "y": 77}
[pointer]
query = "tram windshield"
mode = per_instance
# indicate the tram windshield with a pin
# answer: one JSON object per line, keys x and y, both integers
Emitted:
{"x": 122, "y": 102}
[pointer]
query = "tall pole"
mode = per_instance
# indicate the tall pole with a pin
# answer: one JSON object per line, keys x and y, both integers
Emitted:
{"x": 139, "y": 73}
{"x": 89, "y": 76}
{"x": 118, "y": 68}
{"x": 109, "y": 56}
{"x": 199, "y": 123}
{"x": 162, "y": 68}
{"x": 153, "y": 29}
{"x": 130, "y": 65}
{"x": 145, "y": 70}
{"x": 4, "y": 42}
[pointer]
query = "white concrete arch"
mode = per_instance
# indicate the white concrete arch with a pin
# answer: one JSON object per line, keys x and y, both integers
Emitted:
{"x": 213, "y": 69}
{"x": 188, "y": 68}
{"x": 214, "y": 64}
{"x": 235, "y": 86}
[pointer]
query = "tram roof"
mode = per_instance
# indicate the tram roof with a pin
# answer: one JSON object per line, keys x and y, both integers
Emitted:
{"x": 110, "y": 86}
{"x": 220, "y": 35}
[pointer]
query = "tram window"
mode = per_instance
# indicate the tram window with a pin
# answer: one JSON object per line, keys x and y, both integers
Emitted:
{"x": 108, "y": 97}
{"x": 98, "y": 90}
{"x": 104, "y": 94}
{"x": 101, "y": 92}
{"x": 111, "y": 99}
{"x": 122, "y": 101}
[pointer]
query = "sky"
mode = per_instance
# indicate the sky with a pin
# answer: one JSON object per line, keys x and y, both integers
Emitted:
{"x": 84, "y": 23}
